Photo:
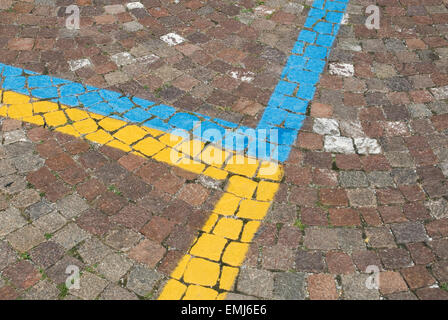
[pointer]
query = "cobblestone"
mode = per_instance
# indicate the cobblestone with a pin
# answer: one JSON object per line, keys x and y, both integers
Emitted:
{"x": 365, "y": 181}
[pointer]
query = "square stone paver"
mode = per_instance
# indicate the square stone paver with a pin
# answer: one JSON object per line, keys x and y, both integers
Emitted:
{"x": 142, "y": 280}
{"x": 44, "y": 290}
{"x": 57, "y": 273}
{"x": 70, "y": 236}
{"x": 25, "y": 238}
{"x": 47, "y": 254}
{"x": 148, "y": 252}
{"x": 72, "y": 206}
{"x": 93, "y": 251}
{"x": 39, "y": 209}
{"x": 380, "y": 237}
{"x": 122, "y": 239}
{"x": 354, "y": 288}
{"x": 259, "y": 283}
{"x": 10, "y": 220}
{"x": 409, "y": 232}
{"x": 321, "y": 239}
{"x": 25, "y": 198}
{"x": 22, "y": 274}
{"x": 50, "y": 222}
{"x": 114, "y": 266}
{"x": 7, "y": 255}
{"x": 290, "y": 286}
{"x": 114, "y": 292}
{"x": 90, "y": 286}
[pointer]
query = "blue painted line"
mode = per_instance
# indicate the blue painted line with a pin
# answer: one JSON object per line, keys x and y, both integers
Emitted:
{"x": 303, "y": 70}
{"x": 285, "y": 111}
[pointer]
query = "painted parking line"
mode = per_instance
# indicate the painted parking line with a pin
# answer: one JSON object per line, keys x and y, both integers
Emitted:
{"x": 140, "y": 126}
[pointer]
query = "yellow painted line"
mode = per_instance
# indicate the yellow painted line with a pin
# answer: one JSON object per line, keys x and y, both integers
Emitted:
{"x": 211, "y": 266}
{"x": 209, "y": 270}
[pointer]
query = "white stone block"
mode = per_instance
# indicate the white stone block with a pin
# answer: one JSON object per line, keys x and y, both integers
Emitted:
{"x": 326, "y": 126}
{"x": 78, "y": 64}
{"x": 338, "y": 144}
{"x": 123, "y": 59}
{"x": 244, "y": 76}
{"x": 342, "y": 69}
{"x": 134, "y": 5}
{"x": 440, "y": 93}
{"x": 367, "y": 146}
{"x": 172, "y": 39}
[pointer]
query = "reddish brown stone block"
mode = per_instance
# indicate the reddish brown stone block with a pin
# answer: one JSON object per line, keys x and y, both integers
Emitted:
{"x": 322, "y": 287}
{"x": 344, "y": 217}
{"x": 148, "y": 252}
{"x": 22, "y": 274}
{"x": 339, "y": 263}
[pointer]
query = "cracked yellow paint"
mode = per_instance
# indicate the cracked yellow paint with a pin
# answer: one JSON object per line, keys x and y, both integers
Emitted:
{"x": 171, "y": 140}
{"x": 180, "y": 268}
{"x": 149, "y": 146}
{"x": 255, "y": 210}
{"x": 191, "y": 148}
{"x": 228, "y": 276}
{"x": 227, "y": 205}
{"x": 208, "y": 226}
{"x": 85, "y": 126}
{"x": 68, "y": 130}
{"x": 270, "y": 171}
{"x": 20, "y": 111}
{"x": 169, "y": 155}
{"x": 228, "y": 228}
{"x": 153, "y": 132}
{"x": 200, "y": 293}
{"x": 241, "y": 187}
{"x": 111, "y": 124}
{"x": 35, "y": 120}
{"x": 202, "y": 272}
{"x": 76, "y": 114}
{"x": 191, "y": 165}
{"x": 214, "y": 156}
{"x": 209, "y": 246}
{"x": 45, "y": 106}
{"x": 10, "y": 97}
{"x": 235, "y": 253}
{"x": 266, "y": 190}
{"x": 221, "y": 296}
{"x": 216, "y": 174}
{"x": 174, "y": 290}
{"x": 100, "y": 136}
{"x": 130, "y": 134}
{"x": 249, "y": 231}
{"x": 242, "y": 165}
{"x": 3, "y": 111}
{"x": 119, "y": 145}
{"x": 55, "y": 119}
{"x": 96, "y": 116}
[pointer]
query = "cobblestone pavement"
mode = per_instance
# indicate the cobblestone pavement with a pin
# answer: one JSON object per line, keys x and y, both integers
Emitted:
{"x": 365, "y": 184}
{"x": 229, "y": 56}
{"x": 113, "y": 215}
{"x": 339, "y": 211}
